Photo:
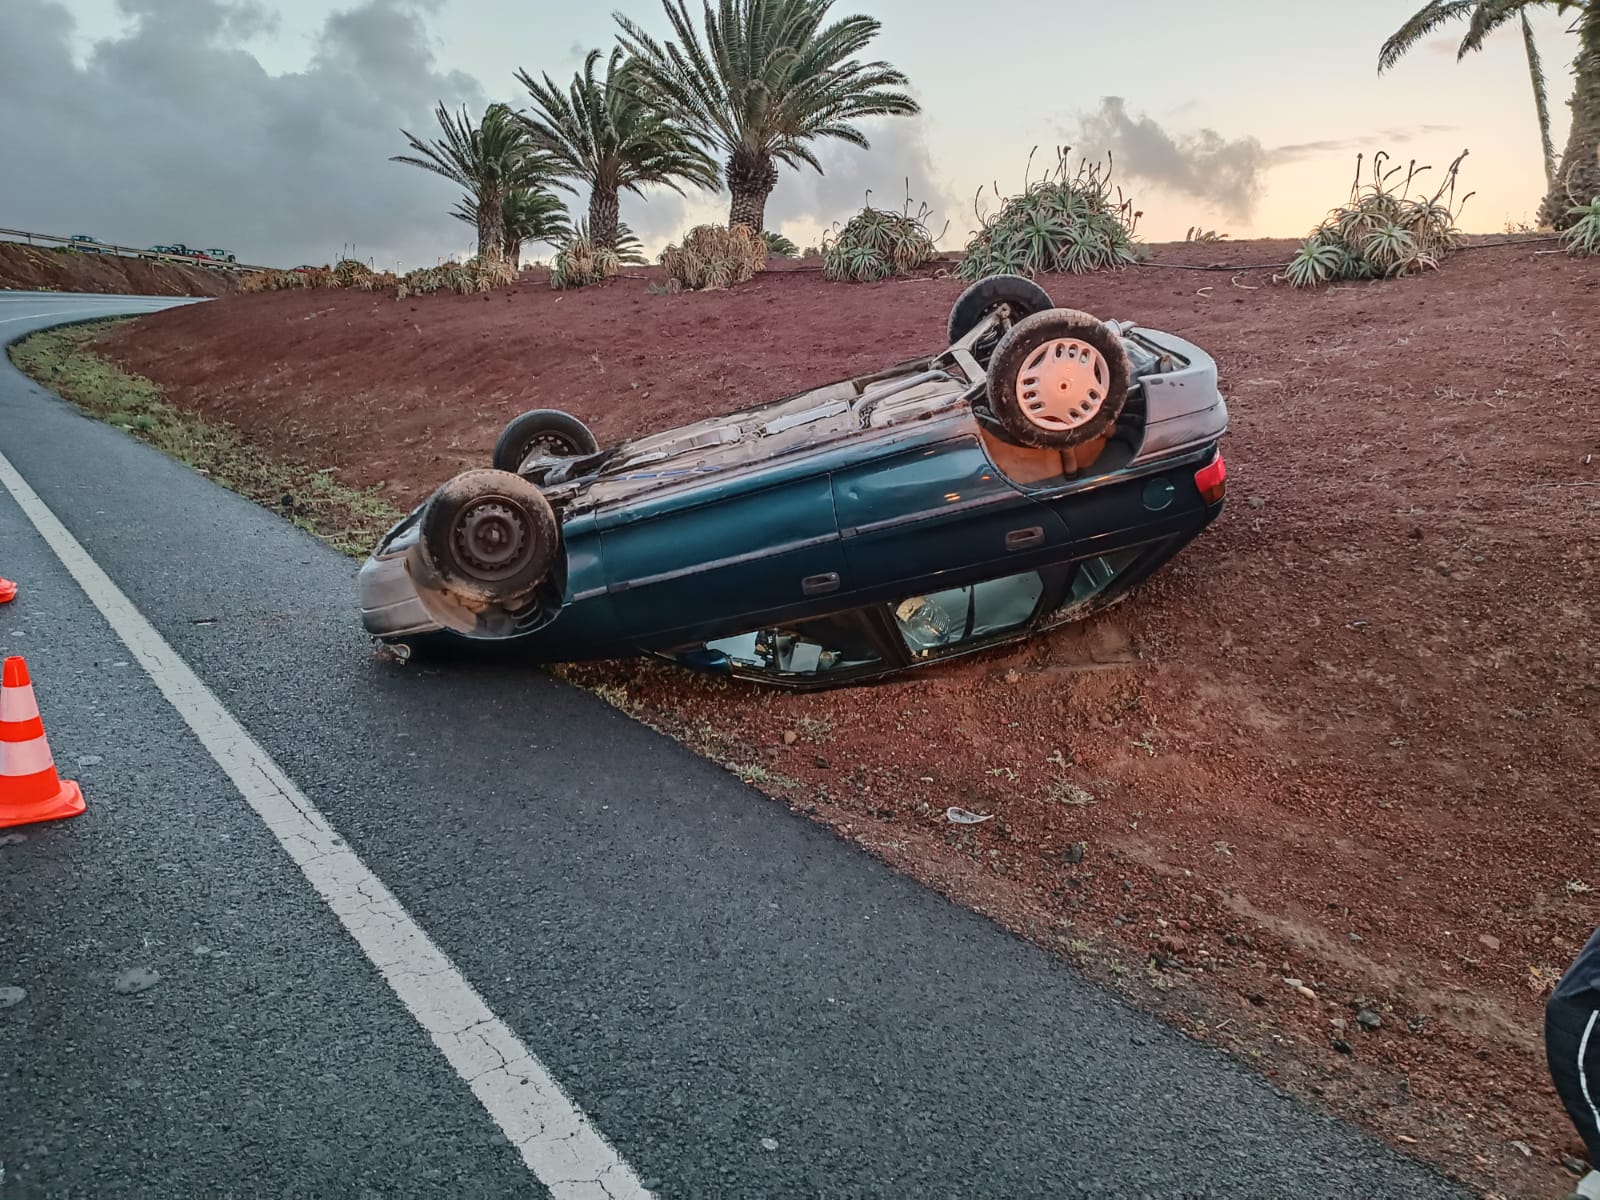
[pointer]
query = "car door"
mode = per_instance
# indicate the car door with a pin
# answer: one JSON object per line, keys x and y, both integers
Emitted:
{"x": 723, "y": 561}
{"x": 935, "y": 509}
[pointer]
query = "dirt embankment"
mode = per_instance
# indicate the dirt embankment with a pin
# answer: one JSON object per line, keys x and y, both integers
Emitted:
{"x": 1348, "y": 739}
{"x": 40, "y": 269}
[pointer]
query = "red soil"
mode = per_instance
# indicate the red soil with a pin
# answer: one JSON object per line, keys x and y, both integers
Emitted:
{"x": 1347, "y": 738}
{"x": 41, "y": 269}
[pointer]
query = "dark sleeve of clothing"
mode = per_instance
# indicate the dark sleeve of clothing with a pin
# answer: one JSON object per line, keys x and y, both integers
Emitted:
{"x": 1581, "y": 983}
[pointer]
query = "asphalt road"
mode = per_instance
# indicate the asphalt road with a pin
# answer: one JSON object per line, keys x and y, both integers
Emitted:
{"x": 742, "y": 1005}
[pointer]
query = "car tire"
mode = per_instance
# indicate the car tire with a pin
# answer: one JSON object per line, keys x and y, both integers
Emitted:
{"x": 490, "y": 536}
{"x": 1058, "y": 379}
{"x": 561, "y": 433}
{"x": 1024, "y": 296}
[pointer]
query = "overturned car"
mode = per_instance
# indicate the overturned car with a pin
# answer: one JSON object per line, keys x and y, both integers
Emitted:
{"x": 1027, "y": 475}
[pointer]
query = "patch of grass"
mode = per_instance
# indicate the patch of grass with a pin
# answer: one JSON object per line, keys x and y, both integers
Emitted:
{"x": 349, "y": 519}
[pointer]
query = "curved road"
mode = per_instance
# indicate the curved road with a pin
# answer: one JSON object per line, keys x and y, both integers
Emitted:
{"x": 682, "y": 987}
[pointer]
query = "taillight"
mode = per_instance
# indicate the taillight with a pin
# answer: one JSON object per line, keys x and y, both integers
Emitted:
{"x": 1212, "y": 480}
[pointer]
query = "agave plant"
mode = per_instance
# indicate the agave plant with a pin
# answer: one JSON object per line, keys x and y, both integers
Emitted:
{"x": 1074, "y": 223}
{"x": 1383, "y": 231}
{"x": 712, "y": 257}
{"x": 1582, "y": 238}
{"x": 877, "y": 243}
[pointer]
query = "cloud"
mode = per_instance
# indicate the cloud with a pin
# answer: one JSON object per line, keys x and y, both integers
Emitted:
{"x": 1380, "y": 140}
{"x": 1201, "y": 164}
{"x": 807, "y": 203}
{"x": 1228, "y": 174}
{"x": 173, "y": 131}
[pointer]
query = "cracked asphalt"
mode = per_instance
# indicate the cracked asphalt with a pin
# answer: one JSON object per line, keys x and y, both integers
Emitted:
{"x": 742, "y": 1005}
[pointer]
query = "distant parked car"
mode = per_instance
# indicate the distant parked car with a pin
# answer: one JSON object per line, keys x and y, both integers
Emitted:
{"x": 220, "y": 255}
{"x": 85, "y": 243}
{"x": 1028, "y": 475}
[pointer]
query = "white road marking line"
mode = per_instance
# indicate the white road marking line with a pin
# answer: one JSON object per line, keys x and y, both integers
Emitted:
{"x": 559, "y": 1145}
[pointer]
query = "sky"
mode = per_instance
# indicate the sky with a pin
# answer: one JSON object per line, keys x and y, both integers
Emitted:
{"x": 265, "y": 126}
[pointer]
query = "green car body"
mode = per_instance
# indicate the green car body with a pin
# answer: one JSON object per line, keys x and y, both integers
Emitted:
{"x": 844, "y": 533}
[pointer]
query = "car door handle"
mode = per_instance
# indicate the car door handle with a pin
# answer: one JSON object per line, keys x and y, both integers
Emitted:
{"x": 1021, "y": 539}
{"x": 820, "y": 585}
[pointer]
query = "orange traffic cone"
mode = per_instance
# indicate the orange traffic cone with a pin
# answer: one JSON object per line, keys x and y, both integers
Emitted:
{"x": 30, "y": 789}
{"x": 8, "y": 591}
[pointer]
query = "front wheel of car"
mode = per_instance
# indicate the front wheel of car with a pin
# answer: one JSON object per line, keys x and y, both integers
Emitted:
{"x": 490, "y": 536}
{"x": 1058, "y": 379}
{"x": 544, "y": 432}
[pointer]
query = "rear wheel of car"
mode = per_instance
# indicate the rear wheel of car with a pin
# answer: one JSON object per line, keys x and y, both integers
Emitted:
{"x": 1022, "y": 296}
{"x": 546, "y": 432}
{"x": 1058, "y": 379}
{"x": 491, "y": 536}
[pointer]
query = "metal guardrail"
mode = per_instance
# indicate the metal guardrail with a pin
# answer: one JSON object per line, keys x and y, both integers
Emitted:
{"x": 180, "y": 260}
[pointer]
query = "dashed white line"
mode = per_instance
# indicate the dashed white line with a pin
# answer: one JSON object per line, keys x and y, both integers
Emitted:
{"x": 567, "y": 1154}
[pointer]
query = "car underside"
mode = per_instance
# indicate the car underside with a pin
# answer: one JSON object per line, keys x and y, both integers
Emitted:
{"x": 1029, "y": 473}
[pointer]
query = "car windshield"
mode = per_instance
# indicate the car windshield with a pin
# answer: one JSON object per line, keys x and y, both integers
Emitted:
{"x": 818, "y": 646}
{"x": 940, "y": 622}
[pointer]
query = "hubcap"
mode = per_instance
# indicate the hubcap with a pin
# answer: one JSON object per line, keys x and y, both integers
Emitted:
{"x": 492, "y": 539}
{"x": 1063, "y": 384}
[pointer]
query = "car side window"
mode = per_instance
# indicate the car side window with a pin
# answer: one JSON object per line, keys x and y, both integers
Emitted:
{"x": 820, "y": 646}
{"x": 943, "y": 621}
{"x": 1092, "y": 577}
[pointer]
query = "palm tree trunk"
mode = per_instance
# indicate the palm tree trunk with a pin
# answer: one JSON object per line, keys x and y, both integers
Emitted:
{"x": 491, "y": 227}
{"x": 604, "y": 215}
{"x": 1578, "y": 180}
{"x": 751, "y": 178}
{"x": 1541, "y": 99}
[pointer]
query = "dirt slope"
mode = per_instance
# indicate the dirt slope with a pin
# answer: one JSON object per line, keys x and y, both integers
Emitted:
{"x": 38, "y": 269}
{"x": 1348, "y": 739}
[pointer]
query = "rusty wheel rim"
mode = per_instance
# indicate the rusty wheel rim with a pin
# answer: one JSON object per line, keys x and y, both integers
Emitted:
{"x": 493, "y": 539}
{"x": 547, "y": 445}
{"x": 1063, "y": 384}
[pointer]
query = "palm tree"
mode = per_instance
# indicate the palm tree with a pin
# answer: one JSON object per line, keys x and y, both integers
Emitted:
{"x": 1578, "y": 175}
{"x": 528, "y": 215}
{"x": 768, "y": 79}
{"x": 489, "y": 160}
{"x": 604, "y": 132}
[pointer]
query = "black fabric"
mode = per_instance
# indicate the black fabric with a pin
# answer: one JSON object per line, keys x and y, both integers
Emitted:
{"x": 1572, "y": 1048}
{"x": 1581, "y": 983}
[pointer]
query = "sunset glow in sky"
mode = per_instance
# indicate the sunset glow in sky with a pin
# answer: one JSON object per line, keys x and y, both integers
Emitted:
{"x": 265, "y": 126}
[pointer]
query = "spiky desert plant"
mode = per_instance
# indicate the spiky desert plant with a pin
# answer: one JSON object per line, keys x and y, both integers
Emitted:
{"x": 1197, "y": 234}
{"x": 609, "y": 133}
{"x": 767, "y": 79}
{"x": 580, "y": 262}
{"x": 712, "y": 257}
{"x": 779, "y": 246}
{"x": 1072, "y": 222}
{"x": 1383, "y": 232}
{"x": 489, "y": 160}
{"x": 1582, "y": 238}
{"x": 877, "y": 243}
{"x": 350, "y": 273}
